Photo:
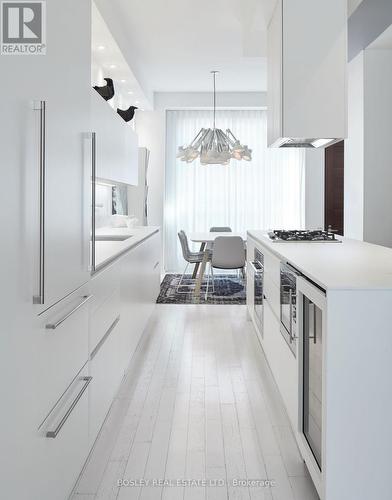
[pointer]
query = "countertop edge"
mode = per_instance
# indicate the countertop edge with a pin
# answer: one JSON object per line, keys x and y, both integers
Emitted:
{"x": 102, "y": 265}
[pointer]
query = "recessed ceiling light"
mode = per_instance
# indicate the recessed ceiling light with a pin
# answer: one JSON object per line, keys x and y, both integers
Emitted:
{"x": 101, "y": 47}
{"x": 112, "y": 66}
{"x": 130, "y": 92}
{"x": 136, "y": 102}
{"x": 123, "y": 80}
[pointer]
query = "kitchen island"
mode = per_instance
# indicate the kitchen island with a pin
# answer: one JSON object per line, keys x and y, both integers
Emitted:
{"x": 321, "y": 313}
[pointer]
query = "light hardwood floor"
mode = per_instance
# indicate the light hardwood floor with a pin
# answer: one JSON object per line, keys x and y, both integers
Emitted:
{"x": 199, "y": 402}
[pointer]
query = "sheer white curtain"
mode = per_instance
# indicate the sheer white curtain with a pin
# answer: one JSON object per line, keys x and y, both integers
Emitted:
{"x": 266, "y": 193}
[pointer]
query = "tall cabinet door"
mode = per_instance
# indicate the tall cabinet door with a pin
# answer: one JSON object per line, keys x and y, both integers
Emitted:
{"x": 61, "y": 78}
{"x": 50, "y": 217}
{"x": 67, "y": 172}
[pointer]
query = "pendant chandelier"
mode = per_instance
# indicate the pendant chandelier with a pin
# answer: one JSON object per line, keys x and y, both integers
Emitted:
{"x": 213, "y": 146}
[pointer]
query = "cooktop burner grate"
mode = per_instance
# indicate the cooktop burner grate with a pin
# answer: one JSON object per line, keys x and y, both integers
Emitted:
{"x": 281, "y": 235}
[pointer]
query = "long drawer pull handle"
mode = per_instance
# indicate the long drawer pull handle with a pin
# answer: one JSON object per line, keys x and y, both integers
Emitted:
{"x": 54, "y": 433}
{"x": 53, "y": 326}
{"x": 103, "y": 339}
{"x": 41, "y": 107}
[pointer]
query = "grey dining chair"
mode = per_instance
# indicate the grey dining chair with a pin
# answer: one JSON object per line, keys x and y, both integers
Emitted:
{"x": 189, "y": 256}
{"x": 228, "y": 253}
{"x": 203, "y": 246}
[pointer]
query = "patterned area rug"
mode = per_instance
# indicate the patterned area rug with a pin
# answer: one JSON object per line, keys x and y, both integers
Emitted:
{"x": 228, "y": 290}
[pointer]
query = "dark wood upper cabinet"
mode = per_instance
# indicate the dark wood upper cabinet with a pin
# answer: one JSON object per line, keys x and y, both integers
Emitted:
{"x": 334, "y": 187}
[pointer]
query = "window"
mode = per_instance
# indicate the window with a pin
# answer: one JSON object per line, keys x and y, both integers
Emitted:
{"x": 266, "y": 193}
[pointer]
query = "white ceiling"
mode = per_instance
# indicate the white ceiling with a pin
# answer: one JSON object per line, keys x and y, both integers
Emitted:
{"x": 174, "y": 44}
{"x": 352, "y": 5}
{"x": 384, "y": 41}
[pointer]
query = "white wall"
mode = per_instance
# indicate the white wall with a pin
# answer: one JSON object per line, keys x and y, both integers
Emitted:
{"x": 377, "y": 152}
{"x": 368, "y": 163}
{"x": 354, "y": 151}
{"x": 176, "y": 100}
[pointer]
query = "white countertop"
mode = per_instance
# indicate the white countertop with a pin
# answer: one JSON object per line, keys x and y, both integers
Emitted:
{"x": 351, "y": 264}
{"x": 107, "y": 251}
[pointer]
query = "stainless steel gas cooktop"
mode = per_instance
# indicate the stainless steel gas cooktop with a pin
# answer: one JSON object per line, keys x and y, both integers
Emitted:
{"x": 292, "y": 236}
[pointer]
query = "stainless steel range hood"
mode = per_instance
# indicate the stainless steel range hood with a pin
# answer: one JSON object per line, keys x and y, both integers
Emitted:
{"x": 307, "y": 59}
{"x": 300, "y": 142}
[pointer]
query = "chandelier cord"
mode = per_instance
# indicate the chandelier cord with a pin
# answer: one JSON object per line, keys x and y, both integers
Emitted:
{"x": 214, "y": 76}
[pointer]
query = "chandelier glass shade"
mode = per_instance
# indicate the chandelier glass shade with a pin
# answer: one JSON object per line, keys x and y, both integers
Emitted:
{"x": 213, "y": 146}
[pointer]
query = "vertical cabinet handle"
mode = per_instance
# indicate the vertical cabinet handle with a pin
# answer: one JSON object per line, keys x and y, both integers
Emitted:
{"x": 93, "y": 193}
{"x": 41, "y": 107}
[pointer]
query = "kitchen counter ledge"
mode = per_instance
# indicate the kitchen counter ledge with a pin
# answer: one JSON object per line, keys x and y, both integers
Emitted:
{"x": 349, "y": 265}
{"x": 108, "y": 251}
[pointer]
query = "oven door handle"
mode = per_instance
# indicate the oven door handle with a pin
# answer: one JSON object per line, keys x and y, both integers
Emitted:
{"x": 255, "y": 269}
{"x": 291, "y": 297}
{"x": 314, "y": 336}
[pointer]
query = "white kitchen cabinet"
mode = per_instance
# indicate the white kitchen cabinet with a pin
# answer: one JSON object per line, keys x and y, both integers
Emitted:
{"x": 283, "y": 363}
{"x": 43, "y": 383}
{"x": 106, "y": 375}
{"x": 116, "y": 143}
{"x": 61, "y": 444}
{"x": 34, "y": 374}
{"x": 140, "y": 279}
{"x": 60, "y": 80}
{"x": 272, "y": 292}
{"x": 60, "y": 337}
{"x": 124, "y": 296}
{"x": 307, "y": 56}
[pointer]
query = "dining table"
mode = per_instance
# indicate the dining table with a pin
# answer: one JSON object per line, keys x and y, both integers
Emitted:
{"x": 206, "y": 240}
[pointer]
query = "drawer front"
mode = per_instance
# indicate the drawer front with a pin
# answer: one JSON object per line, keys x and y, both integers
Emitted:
{"x": 283, "y": 364}
{"x": 62, "y": 441}
{"x": 152, "y": 252}
{"x": 272, "y": 294}
{"x": 61, "y": 342}
{"x": 107, "y": 373}
{"x": 104, "y": 284}
{"x": 272, "y": 267}
{"x": 101, "y": 318}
